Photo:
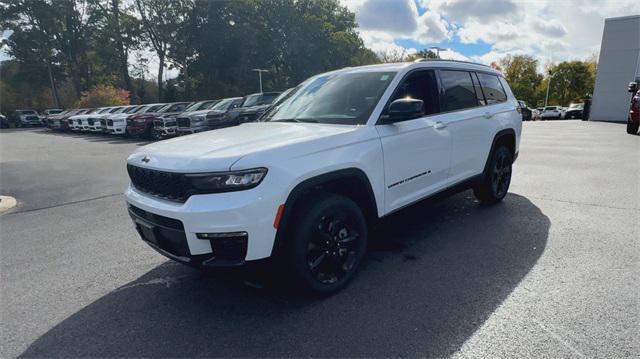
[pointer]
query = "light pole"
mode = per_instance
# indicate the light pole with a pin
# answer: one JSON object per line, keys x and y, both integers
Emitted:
{"x": 438, "y": 49}
{"x": 546, "y": 98}
{"x": 260, "y": 71}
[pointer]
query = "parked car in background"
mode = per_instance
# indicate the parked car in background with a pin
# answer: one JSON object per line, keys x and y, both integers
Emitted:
{"x": 143, "y": 124}
{"x": 125, "y": 111}
{"x": 26, "y": 118}
{"x": 79, "y": 121}
{"x": 52, "y": 111}
{"x": 66, "y": 123}
{"x": 217, "y": 116}
{"x": 535, "y": 114}
{"x": 633, "y": 121}
{"x": 304, "y": 185}
{"x": 551, "y": 113}
{"x": 574, "y": 111}
{"x": 255, "y": 105}
{"x": 525, "y": 111}
{"x": 117, "y": 123}
{"x": 4, "y": 123}
{"x": 249, "y": 102}
{"x": 194, "y": 117}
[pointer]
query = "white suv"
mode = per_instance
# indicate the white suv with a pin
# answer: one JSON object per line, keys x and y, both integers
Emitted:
{"x": 306, "y": 183}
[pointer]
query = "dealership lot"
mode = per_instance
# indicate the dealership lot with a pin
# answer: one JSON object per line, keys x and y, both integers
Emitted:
{"x": 551, "y": 272}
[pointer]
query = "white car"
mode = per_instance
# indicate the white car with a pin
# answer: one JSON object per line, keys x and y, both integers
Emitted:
{"x": 117, "y": 124}
{"x": 551, "y": 112}
{"x": 78, "y": 122}
{"x": 305, "y": 184}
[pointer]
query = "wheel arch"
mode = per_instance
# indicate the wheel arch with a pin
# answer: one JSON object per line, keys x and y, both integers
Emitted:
{"x": 349, "y": 182}
{"x": 506, "y": 137}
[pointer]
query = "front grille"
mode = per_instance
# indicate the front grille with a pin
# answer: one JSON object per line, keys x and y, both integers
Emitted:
{"x": 183, "y": 122}
{"x": 110, "y": 123}
{"x": 103, "y": 122}
{"x": 166, "y": 185}
{"x": 32, "y": 118}
{"x": 90, "y": 121}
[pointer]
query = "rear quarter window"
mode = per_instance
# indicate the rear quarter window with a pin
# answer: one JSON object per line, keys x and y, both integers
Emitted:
{"x": 492, "y": 88}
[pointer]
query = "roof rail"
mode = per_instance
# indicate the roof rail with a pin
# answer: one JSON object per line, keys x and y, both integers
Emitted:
{"x": 460, "y": 61}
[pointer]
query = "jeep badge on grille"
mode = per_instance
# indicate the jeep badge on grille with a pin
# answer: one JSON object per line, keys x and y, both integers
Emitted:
{"x": 146, "y": 159}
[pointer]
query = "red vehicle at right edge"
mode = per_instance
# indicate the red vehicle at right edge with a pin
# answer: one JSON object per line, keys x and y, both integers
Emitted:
{"x": 633, "y": 122}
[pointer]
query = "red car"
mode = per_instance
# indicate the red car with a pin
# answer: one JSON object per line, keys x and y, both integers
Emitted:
{"x": 633, "y": 123}
{"x": 142, "y": 124}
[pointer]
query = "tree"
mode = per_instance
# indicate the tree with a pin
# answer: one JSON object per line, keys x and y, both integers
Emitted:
{"x": 161, "y": 22}
{"x": 570, "y": 82}
{"x": 520, "y": 71}
{"x": 104, "y": 95}
{"x": 422, "y": 54}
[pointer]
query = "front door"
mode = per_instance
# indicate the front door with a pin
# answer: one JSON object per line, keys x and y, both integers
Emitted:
{"x": 416, "y": 152}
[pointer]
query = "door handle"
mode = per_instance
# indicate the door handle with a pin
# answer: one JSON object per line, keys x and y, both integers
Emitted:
{"x": 439, "y": 125}
{"x": 487, "y": 115}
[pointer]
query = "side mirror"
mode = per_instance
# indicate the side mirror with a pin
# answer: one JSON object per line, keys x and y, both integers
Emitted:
{"x": 404, "y": 109}
{"x": 633, "y": 87}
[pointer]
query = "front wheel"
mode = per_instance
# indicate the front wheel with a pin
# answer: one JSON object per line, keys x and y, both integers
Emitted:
{"x": 327, "y": 243}
{"x": 497, "y": 177}
{"x": 632, "y": 127}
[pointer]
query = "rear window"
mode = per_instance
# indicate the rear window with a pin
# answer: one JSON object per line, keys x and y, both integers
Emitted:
{"x": 459, "y": 92}
{"x": 493, "y": 91}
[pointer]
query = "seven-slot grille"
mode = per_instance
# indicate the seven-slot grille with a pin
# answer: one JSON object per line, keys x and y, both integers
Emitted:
{"x": 166, "y": 185}
{"x": 103, "y": 122}
{"x": 183, "y": 122}
{"x": 110, "y": 123}
{"x": 90, "y": 121}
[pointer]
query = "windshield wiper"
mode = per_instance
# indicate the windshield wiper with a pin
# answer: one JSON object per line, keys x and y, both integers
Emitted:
{"x": 307, "y": 120}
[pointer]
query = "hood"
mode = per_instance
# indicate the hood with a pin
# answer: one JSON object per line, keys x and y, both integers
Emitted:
{"x": 254, "y": 109}
{"x": 218, "y": 150}
{"x": 194, "y": 113}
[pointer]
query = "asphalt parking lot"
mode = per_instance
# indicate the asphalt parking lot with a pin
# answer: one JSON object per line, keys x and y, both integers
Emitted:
{"x": 553, "y": 271}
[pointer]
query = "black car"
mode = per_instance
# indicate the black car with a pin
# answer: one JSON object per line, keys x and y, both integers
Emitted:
{"x": 574, "y": 111}
{"x": 223, "y": 114}
{"x": 252, "y": 107}
{"x": 4, "y": 123}
{"x": 525, "y": 111}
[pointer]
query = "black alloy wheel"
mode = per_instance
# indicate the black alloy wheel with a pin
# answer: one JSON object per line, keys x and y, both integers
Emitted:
{"x": 326, "y": 243}
{"x": 497, "y": 177}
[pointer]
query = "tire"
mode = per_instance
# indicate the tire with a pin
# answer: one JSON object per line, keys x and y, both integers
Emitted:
{"x": 326, "y": 244}
{"x": 632, "y": 128}
{"x": 497, "y": 177}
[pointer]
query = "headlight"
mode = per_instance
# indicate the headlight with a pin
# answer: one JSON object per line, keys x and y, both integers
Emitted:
{"x": 225, "y": 181}
{"x": 200, "y": 118}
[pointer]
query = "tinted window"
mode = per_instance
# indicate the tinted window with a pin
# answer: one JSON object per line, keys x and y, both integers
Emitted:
{"x": 492, "y": 88}
{"x": 420, "y": 85}
{"x": 179, "y": 107}
{"x": 268, "y": 98}
{"x": 458, "y": 88}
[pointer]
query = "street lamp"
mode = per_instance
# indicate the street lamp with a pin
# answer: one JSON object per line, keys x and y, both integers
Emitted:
{"x": 260, "y": 71}
{"x": 546, "y": 98}
{"x": 438, "y": 49}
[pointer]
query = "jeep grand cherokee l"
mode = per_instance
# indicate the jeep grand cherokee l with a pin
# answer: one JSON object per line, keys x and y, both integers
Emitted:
{"x": 304, "y": 185}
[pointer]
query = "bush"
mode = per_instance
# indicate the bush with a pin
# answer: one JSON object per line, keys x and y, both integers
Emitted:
{"x": 104, "y": 95}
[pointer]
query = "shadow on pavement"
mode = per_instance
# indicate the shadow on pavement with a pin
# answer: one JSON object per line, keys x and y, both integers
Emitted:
{"x": 97, "y": 137}
{"x": 434, "y": 274}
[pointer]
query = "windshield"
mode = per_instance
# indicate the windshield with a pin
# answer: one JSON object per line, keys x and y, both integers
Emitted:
{"x": 131, "y": 109}
{"x": 250, "y": 100}
{"x": 203, "y": 105}
{"x": 337, "y": 98}
{"x": 153, "y": 108}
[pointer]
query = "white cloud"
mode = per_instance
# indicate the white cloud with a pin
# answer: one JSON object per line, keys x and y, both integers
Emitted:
{"x": 550, "y": 31}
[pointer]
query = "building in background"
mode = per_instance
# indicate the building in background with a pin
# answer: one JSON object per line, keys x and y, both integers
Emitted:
{"x": 618, "y": 65}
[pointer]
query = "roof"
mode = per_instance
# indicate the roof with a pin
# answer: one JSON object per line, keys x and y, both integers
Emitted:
{"x": 422, "y": 63}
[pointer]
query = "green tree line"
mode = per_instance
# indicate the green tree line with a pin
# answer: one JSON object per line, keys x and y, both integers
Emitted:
{"x": 59, "y": 49}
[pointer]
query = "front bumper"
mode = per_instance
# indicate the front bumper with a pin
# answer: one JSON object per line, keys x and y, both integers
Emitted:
{"x": 189, "y": 130}
{"x": 251, "y": 212}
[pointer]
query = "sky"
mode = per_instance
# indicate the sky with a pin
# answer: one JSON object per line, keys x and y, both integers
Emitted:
{"x": 485, "y": 30}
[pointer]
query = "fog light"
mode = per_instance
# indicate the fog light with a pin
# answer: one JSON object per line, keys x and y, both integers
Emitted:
{"x": 210, "y": 236}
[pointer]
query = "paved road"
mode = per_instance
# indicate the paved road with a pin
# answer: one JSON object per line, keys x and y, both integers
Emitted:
{"x": 551, "y": 272}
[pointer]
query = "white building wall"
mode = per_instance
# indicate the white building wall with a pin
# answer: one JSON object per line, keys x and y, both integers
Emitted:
{"x": 618, "y": 65}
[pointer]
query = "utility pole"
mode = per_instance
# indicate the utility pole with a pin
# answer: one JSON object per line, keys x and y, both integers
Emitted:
{"x": 438, "y": 49}
{"x": 546, "y": 98}
{"x": 260, "y": 71}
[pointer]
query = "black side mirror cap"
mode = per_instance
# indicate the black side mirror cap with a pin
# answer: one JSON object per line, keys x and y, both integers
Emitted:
{"x": 403, "y": 109}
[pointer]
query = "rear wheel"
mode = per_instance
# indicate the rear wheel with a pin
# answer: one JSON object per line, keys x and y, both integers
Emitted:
{"x": 327, "y": 243}
{"x": 497, "y": 178}
{"x": 632, "y": 127}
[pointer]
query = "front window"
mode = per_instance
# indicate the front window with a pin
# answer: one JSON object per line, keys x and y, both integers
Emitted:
{"x": 336, "y": 98}
{"x": 223, "y": 105}
{"x": 251, "y": 100}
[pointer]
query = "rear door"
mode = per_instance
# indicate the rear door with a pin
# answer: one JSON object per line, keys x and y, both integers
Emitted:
{"x": 416, "y": 152}
{"x": 470, "y": 121}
